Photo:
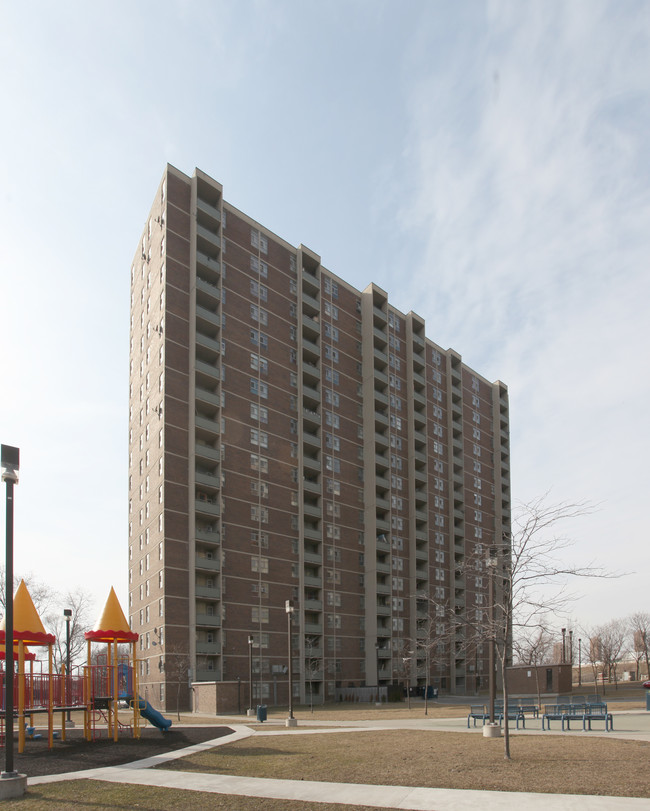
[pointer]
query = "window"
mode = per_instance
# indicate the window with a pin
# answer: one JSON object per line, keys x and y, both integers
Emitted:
{"x": 259, "y": 412}
{"x": 332, "y": 376}
{"x": 260, "y": 565}
{"x": 259, "y": 388}
{"x": 332, "y": 419}
{"x": 334, "y": 487}
{"x": 259, "y": 290}
{"x": 333, "y": 442}
{"x": 259, "y": 614}
{"x": 259, "y": 363}
{"x": 260, "y": 463}
{"x": 332, "y": 398}
{"x": 260, "y": 488}
{"x": 258, "y": 240}
{"x": 260, "y": 539}
{"x": 259, "y": 315}
{"x": 331, "y": 332}
{"x": 332, "y": 464}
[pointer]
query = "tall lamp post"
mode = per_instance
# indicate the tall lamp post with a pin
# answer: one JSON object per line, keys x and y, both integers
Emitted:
{"x": 579, "y": 662}
{"x": 250, "y": 674}
{"x": 10, "y": 460}
{"x": 288, "y": 607}
{"x": 491, "y": 564}
{"x": 67, "y": 613}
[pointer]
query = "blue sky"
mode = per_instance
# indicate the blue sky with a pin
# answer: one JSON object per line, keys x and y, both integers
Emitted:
{"x": 486, "y": 163}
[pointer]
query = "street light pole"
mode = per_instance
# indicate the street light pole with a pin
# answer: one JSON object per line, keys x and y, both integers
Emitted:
{"x": 579, "y": 662}
{"x": 250, "y": 673}
{"x": 67, "y": 613}
{"x": 491, "y": 565}
{"x": 288, "y": 607}
{"x": 10, "y": 459}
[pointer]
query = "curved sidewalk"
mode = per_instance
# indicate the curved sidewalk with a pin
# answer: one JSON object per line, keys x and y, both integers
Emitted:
{"x": 396, "y": 797}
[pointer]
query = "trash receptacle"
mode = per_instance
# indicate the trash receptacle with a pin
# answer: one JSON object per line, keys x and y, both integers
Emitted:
{"x": 647, "y": 700}
{"x": 261, "y": 712}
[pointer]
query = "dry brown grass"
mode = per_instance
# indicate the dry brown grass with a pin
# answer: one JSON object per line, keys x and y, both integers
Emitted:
{"x": 96, "y": 795}
{"x": 552, "y": 764}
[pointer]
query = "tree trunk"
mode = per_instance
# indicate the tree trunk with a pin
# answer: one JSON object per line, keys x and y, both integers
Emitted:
{"x": 506, "y": 726}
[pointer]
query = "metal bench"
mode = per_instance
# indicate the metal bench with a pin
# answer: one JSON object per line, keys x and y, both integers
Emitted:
{"x": 560, "y": 712}
{"x": 514, "y": 714}
{"x": 597, "y": 712}
{"x": 533, "y": 709}
{"x": 477, "y": 712}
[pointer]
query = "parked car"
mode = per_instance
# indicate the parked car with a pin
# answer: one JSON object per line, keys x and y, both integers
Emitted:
{"x": 646, "y": 684}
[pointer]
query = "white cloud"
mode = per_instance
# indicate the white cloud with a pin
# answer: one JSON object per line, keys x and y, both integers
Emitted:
{"x": 530, "y": 159}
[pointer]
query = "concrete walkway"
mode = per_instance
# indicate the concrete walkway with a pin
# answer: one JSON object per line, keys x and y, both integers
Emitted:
{"x": 635, "y": 726}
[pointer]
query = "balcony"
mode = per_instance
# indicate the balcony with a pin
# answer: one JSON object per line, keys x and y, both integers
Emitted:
{"x": 206, "y": 396}
{"x": 210, "y": 369}
{"x": 311, "y": 327}
{"x": 208, "y": 675}
{"x": 380, "y": 356}
{"x": 380, "y": 337}
{"x": 418, "y": 379}
{"x": 310, "y": 304}
{"x": 311, "y": 533}
{"x": 204, "y": 451}
{"x": 211, "y": 264}
{"x": 208, "y": 648}
{"x": 382, "y": 503}
{"x": 211, "y": 479}
{"x": 210, "y": 536}
{"x": 311, "y": 463}
{"x": 310, "y": 439}
{"x": 209, "y": 289}
{"x": 310, "y": 393}
{"x": 213, "y": 344}
{"x": 380, "y": 316}
{"x": 312, "y": 510}
{"x": 207, "y": 564}
{"x": 313, "y": 627}
{"x": 207, "y": 424}
{"x": 210, "y": 317}
{"x": 207, "y": 506}
{"x": 208, "y": 620}
{"x": 381, "y": 398}
{"x": 210, "y": 592}
{"x": 208, "y": 239}
{"x": 211, "y": 211}
{"x": 310, "y": 281}
{"x": 311, "y": 486}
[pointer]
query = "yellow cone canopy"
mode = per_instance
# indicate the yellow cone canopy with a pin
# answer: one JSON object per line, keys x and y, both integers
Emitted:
{"x": 27, "y": 624}
{"x": 112, "y": 625}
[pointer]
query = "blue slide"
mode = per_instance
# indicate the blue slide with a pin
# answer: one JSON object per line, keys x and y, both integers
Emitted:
{"x": 153, "y": 716}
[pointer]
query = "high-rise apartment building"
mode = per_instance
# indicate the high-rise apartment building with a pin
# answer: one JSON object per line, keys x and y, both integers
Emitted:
{"x": 293, "y": 438}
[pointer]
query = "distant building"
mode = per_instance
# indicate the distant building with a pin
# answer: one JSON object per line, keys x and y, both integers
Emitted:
{"x": 293, "y": 438}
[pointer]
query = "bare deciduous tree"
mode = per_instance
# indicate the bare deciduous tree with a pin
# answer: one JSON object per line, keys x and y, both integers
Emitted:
{"x": 42, "y": 595}
{"x": 81, "y": 604}
{"x": 639, "y": 624}
{"x": 529, "y": 578}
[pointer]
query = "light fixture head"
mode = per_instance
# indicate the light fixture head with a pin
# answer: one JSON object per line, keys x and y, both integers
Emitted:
{"x": 10, "y": 460}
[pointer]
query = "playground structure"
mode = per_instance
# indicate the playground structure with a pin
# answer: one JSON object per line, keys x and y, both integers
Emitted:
{"x": 97, "y": 689}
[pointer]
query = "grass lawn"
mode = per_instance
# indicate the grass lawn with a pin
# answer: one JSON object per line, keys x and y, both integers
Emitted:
{"x": 552, "y": 764}
{"x": 96, "y": 796}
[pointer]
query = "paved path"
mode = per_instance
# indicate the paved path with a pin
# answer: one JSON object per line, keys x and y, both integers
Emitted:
{"x": 635, "y": 726}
